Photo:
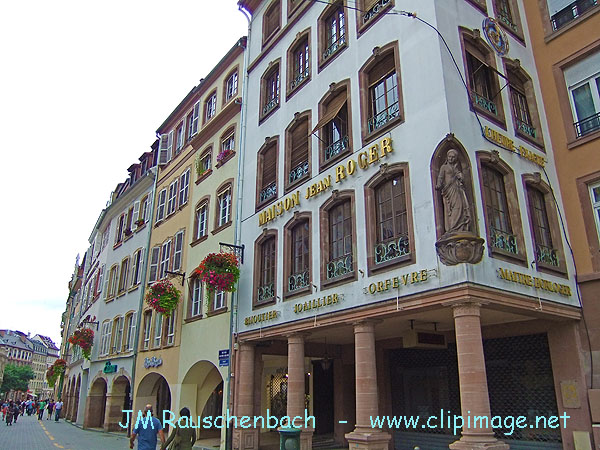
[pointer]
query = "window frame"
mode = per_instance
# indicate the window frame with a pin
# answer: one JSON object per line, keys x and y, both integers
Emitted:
{"x": 147, "y": 334}
{"x": 210, "y": 107}
{"x": 595, "y": 206}
{"x": 129, "y": 329}
{"x": 179, "y": 236}
{"x": 172, "y": 197}
{"x": 117, "y": 335}
{"x": 322, "y": 32}
{"x": 300, "y": 45}
{"x": 516, "y": 29}
{"x": 204, "y": 202}
{"x": 166, "y": 252}
{"x": 266, "y": 236}
{"x": 274, "y": 9}
{"x": 192, "y": 119}
{"x": 184, "y": 188}
{"x": 157, "y": 335}
{"x": 227, "y": 96}
{"x": 226, "y": 155}
{"x": 161, "y": 205}
{"x": 368, "y": 5}
{"x": 266, "y": 99}
{"x": 113, "y": 280}
{"x": 153, "y": 266}
{"x": 206, "y": 155}
{"x": 123, "y": 276}
{"x": 196, "y": 297}
{"x": 289, "y": 151}
{"x": 269, "y": 144}
{"x": 227, "y": 185}
{"x": 170, "y": 328}
{"x": 298, "y": 219}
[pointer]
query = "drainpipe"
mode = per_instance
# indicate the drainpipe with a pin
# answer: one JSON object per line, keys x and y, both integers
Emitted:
{"x": 236, "y": 232}
{"x": 142, "y": 292}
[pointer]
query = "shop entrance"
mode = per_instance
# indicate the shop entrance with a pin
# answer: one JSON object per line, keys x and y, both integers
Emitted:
{"x": 323, "y": 397}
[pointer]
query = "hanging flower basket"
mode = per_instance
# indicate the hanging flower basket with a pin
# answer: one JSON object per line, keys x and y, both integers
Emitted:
{"x": 163, "y": 297}
{"x": 83, "y": 338}
{"x": 219, "y": 272}
{"x": 55, "y": 371}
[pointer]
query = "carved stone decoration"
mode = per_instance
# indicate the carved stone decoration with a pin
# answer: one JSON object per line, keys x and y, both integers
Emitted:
{"x": 457, "y": 232}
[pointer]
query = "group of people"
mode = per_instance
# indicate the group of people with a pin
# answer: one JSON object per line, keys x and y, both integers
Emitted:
{"x": 11, "y": 410}
{"x": 148, "y": 434}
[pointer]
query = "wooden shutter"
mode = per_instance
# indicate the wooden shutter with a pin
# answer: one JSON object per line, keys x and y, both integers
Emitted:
{"x": 299, "y": 144}
{"x": 163, "y": 149}
{"x": 269, "y": 166}
{"x": 332, "y": 109}
{"x": 383, "y": 66}
{"x": 154, "y": 255}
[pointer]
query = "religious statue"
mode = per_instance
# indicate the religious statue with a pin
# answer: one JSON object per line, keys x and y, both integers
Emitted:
{"x": 457, "y": 211}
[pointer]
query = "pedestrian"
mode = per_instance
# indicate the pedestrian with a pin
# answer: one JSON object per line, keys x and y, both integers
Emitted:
{"x": 8, "y": 414}
{"x": 15, "y": 412}
{"x": 147, "y": 431}
{"x": 41, "y": 407}
{"x": 50, "y": 408}
{"x": 183, "y": 438}
{"x": 57, "y": 408}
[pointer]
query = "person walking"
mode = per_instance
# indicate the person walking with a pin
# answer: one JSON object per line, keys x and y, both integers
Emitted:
{"x": 147, "y": 431}
{"x": 16, "y": 411}
{"x": 8, "y": 414}
{"x": 57, "y": 408}
{"x": 41, "y": 407}
{"x": 182, "y": 438}
{"x": 50, "y": 409}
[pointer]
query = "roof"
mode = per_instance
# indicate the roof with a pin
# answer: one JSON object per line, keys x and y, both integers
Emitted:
{"x": 47, "y": 341}
{"x": 15, "y": 339}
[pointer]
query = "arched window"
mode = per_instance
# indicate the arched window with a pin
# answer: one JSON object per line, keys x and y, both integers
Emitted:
{"x": 297, "y": 150}
{"x": 267, "y": 172}
{"x": 265, "y": 268}
{"x": 297, "y": 255}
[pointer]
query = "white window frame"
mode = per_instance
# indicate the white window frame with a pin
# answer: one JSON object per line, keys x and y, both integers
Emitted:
{"x": 118, "y": 335}
{"x": 193, "y": 120}
{"x": 147, "y": 330}
{"x": 131, "y": 326}
{"x": 228, "y": 142}
{"x": 196, "y": 308}
{"x": 584, "y": 72}
{"x": 184, "y": 187}
{"x": 171, "y": 328}
{"x": 202, "y": 220}
{"x": 123, "y": 276}
{"x": 106, "y": 336}
{"x": 178, "y": 251}
{"x": 154, "y": 262}
{"x": 231, "y": 86}
{"x": 165, "y": 257}
{"x": 136, "y": 268}
{"x": 180, "y": 137}
{"x": 211, "y": 107}
{"x": 224, "y": 209}
{"x": 160, "y": 209}
{"x": 113, "y": 280}
{"x": 595, "y": 206}
{"x": 158, "y": 329}
{"x": 172, "y": 203}
{"x": 220, "y": 297}
{"x": 120, "y": 229}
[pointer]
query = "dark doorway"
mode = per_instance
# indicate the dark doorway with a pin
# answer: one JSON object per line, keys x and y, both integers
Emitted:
{"x": 323, "y": 398}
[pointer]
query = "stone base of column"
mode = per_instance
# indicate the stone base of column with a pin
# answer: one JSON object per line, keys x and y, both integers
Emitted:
{"x": 368, "y": 439}
{"x": 306, "y": 436}
{"x": 478, "y": 444}
{"x": 245, "y": 439}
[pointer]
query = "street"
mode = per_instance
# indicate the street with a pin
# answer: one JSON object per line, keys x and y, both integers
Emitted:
{"x": 29, "y": 433}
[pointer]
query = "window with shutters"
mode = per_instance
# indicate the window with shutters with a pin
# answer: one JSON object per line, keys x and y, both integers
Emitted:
{"x": 160, "y": 207}
{"x": 267, "y": 173}
{"x": 210, "y": 107}
{"x": 117, "y": 333}
{"x": 334, "y": 125}
{"x": 171, "y": 321}
{"x": 482, "y": 78}
{"x": 298, "y": 62}
{"x": 124, "y": 273}
{"x": 231, "y": 85}
{"x": 184, "y": 188}
{"x": 179, "y": 137}
{"x": 172, "y": 203}
{"x": 129, "y": 336}
{"x": 297, "y": 151}
{"x": 265, "y": 268}
{"x": 223, "y": 217}
{"x": 270, "y": 90}
{"x": 142, "y": 216}
{"x": 201, "y": 219}
{"x": 227, "y": 147}
{"x": 158, "y": 330}
{"x": 113, "y": 279}
{"x": 105, "y": 339}
{"x": 165, "y": 149}
{"x": 381, "y": 101}
{"x": 192, "y": 120}
{"x": 296, "y": 264}
{"x": 271, "y": 21}
{"x": 128, "y": 223}
{"x": 120, "y": 229}
{"x": 338, "y": 248}
{"x": 178, "y": 251}
{"x": 204, "y": 165}
{"x": 165, "y": 259}
{"x": 147, "y": 330}
{"x": 332, "y": 32}
{"x": 154, "y": 260}
{"x": 501, "y": 208}
{"x": 507, "y": 15}
{"x": 196, "y": 298}
{"x": 136, "y": 268}
{"x": 370, "y": 11}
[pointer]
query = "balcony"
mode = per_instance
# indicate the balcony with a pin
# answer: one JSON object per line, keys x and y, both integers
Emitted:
{"x": 503, "y": 240}
{"x": 587, "y": 125}
{"x": 336, "y": 148}
{"x": 484, "y": 103}
{"x": 298, "y": 281}
{"x": 334, "y": 46}
{"x": 266, "y": 293}
{"x": 269, "y": 192}
{"x": 299, "y": 78}
{"x": 298, "y": 172}
{"x": 270, "y": 105}
{"x": 339, "y": 267}
{"x": 571, "y": 12}
{"x": 391, "y": 249}
{"x": 383, "y": 117}
{"x": 374, "y": 10}
{"x": 526, "y": 128}
{"x": 546, "y": 255}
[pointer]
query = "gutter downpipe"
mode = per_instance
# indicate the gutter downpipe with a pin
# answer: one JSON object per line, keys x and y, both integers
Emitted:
{"x": 236, "y": 233}
{"x": 142, "y": 292}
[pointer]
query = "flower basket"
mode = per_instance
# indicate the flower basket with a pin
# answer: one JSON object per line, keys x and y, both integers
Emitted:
{"x": 163, "y": 297}
{"x": 83, "y": 338}
{"x": 140, "y": 222}
{"x": 223, "y": 154}
{"x": 219, "y": 272}
{"x": 55, "y": 371}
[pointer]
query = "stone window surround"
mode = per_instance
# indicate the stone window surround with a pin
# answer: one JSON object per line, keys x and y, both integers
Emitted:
{"x": 265, "y": 235}
{"x": 361, "y": 6}
{"x": 205, "y": 200}
{"x": 516, "y": 17}
{"x": 274, "y": 66}
{"x": 587, "y": 212}
{"x": 298, "y": 218}
{"x": 268, "y": 144}
{"x": 322, "y": 33}
{"x": 288, "y": 150}
{"x": 275, "y": 4}
{"x": 226, "y": 100}
{"x": 227, "y": 184}
{"x": 301, "y": 38}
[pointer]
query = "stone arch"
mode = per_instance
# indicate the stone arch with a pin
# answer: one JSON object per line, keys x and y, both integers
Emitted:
{"x": 153, "y": 390}
{"x": 118, "y": 401}
{"x": 95, "y": 408}
{"x": 75, "y": 407}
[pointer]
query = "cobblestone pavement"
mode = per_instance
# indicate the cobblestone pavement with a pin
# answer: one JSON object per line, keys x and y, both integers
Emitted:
{"x": 29, "y": 433}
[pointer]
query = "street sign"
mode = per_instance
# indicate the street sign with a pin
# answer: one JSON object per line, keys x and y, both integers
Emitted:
{"x": 223, "y": 358}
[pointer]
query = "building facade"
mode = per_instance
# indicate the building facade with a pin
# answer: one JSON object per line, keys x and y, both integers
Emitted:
{"x": 404, "y": 252}
{"x": 39, "y": 385}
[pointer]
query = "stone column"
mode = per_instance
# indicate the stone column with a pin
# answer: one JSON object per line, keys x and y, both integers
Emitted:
{"x": 364, "y": 437}
{"x": 297, "y": 388}
{"x": 114, "y": 412}
{"x": 245, "y": 438}
{"x": 474, "y": 398}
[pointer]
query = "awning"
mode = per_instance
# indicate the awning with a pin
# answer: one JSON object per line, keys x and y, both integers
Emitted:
{"x": 333, "y": 108}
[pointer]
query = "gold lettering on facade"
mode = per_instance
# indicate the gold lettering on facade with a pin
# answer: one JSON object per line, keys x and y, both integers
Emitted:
{"x": 508, "y": 144}
{"x": 276, "y": 210}
{"x": 535, "y": 282}
{"x": 258, "y": 318}
{"x": 316, "y": 303}
{"x": 394, "y": 283}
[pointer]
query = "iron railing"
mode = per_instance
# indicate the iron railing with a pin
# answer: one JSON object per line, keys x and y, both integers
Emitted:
{"x": 546, "y": 255}
{"x": 391, "y": 249}
{"x": 526, "y": 128}
{"x": 571, "y": 12}
{"x": 269, "y": 192}
{"x": 503, "y": 241}
{"x": 374, "y": 10}
{"x": 298, "y": 172}
{"x": 587, "y": 125}
{"x": 298, "y": 281}
{"x": 334, "y": 46}
{"x": 507, "y": 20}
{"x": 270, "y": 105}
{"x": 266, "y": 292}
{"x": 339, "y": 267}
{"x": 336, "y": 148}
{"x": 485, "y": 103}
{"x": 383, "y": 117}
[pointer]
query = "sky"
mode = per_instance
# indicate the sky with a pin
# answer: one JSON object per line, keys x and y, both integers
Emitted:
{"x": 83, "y": 88}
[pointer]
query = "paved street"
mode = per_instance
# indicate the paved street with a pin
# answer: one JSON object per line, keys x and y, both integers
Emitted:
{"x": 29, "y": 433}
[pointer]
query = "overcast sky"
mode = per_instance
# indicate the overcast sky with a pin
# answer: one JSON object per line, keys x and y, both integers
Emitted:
{"x": 83, "y": 88}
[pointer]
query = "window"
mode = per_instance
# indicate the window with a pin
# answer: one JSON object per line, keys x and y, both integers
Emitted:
{"x": 112, "y": 282}
{"x": 522, "y": 99}
{"x": 507, "y": 13}
{"x": 293, "y": 6}
{"x": 204, "y": 163}
{"x": 130, "y": 324}
{"x": 180, "y": 136}
{"x": 160, "y": 209}
{"x": 143, "y": 211}
{"x": 298, "y": 236}
{"x": 210, "y": 107}
{"x": 332, "y": 32}
{"x": 196, "y": 298}
{"x": 595, "y": 196}
{"x": 266, "y": 265}
{"x": 373, "y": 11}
{"x": 154, "y": 259}
{"x": 105, "y": 340}
{"x": 192, "y": 120}
{"x": 564, "y": 11}
{"x": 172, "y": 204}
{"x": 158, "y": 323}
{"x": 544, "y": 248}
{"x": 231, "y": 86}
{"x": 117, "y": 335}
{"x": 583, "y": 83}
{"x": 270, "y": 90}
{"x": 271, "y": 20}
{"x": 334, "y": 125}
{"x": 184, "y": 187}
{"x": 165, "y": 149}
{"x": 299, "y": 61}
{"x": 201, "y": 220}
{"x": 147, "y": 329}
{"x": 178, "y": 253}
{"x": 297, "y": 160}
{"x": 224, "y": 206}
{"x": 171, "y": 328}
{"x": 136, "y": 268}
{"x": 380, "y": 93}
{"x": 165, "y": 258}
{"x": 227, "y": 147}
{"x": 219, "y": 301}
{"x": 123, "y": 275}
{"x": 267, "y": 172}
{"x": 120, "y": 229}
{"x": 128, "y": 222}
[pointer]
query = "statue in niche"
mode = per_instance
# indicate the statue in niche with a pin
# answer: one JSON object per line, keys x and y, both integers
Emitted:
{"x": 457, "y": 211}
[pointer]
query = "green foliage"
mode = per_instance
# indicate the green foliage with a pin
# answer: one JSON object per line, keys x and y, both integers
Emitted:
{"x": 16, "y": 378}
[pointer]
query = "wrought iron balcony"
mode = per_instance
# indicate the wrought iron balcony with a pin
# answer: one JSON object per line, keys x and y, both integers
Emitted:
{"x": 571, "y": 12}
{"x": 298, "y": 172}
{"x": 298, "y": 281}
{"x": 526, "y": 128}
{"x": 299, "y": 78}
{"x": 503, "y": 241}
{"x": 374, "y": 10}
{"x": 269, "y": 192}
{"x": 587, "y": 125}
{"x": 391, "y": 249}
{"x": 383, "y": 117}
{"x": 339, "y": 267}
{"x": 266, "y": 292}
{"x": 336, "y": 148}
{"x": 272, "y": 104}
{"x": 546, "y": 255}
{"x": 506, "y": 20}
{"x": 484, "y": 103}
{"x": 335, "y": 46}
